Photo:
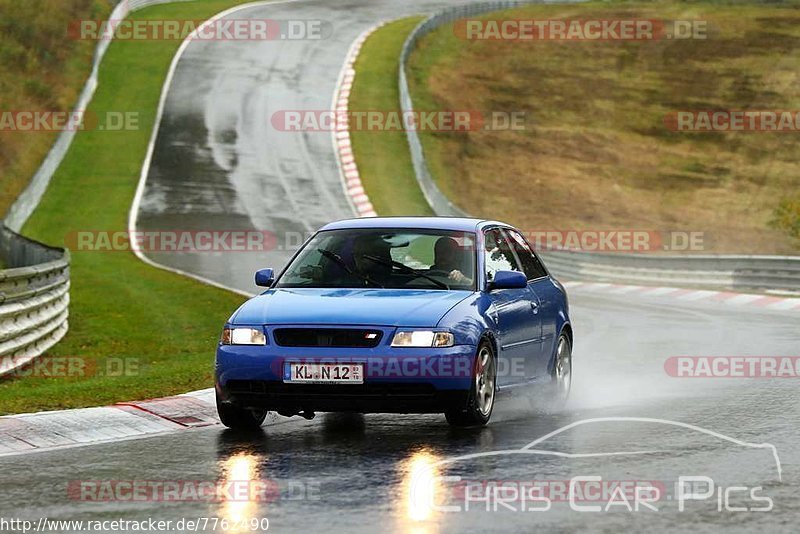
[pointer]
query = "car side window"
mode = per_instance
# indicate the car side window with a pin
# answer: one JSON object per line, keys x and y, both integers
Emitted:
{"x": 531, "y": 265}
{"x": 497, "y": 254}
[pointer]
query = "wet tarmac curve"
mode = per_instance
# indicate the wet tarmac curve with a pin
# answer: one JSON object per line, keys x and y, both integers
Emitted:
{"x": 220, "y": 164}
{"x": 382, "y": 472}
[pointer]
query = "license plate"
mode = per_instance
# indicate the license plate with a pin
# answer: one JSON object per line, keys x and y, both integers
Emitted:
{"x": 323, "y": 373}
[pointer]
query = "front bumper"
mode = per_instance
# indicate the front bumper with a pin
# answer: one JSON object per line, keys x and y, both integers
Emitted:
{"x": 396, "y": 380}
{"x": 290, "y": 399}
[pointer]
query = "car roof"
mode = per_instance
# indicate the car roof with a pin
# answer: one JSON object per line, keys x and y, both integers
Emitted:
{"x": 457, "y": 224}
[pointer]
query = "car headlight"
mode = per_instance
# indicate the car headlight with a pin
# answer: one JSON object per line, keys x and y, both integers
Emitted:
{"x": 243, "y": 336}
{"x": 422, "y": 338}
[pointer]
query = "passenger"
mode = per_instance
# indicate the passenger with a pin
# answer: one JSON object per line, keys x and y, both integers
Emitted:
{"x": 448, "y": 257}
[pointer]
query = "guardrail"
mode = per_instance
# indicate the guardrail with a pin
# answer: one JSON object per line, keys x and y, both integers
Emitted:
{"x": 34, "y": 299}
{"x": 751, "y": 272}
{"x": 737, "y": 272}
{"x": 27, "y": 201}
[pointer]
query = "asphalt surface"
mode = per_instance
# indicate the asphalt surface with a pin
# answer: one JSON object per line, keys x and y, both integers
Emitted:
{"x": 355, "y": 474}
{"x": 218, "y": 165}
{"x": 218, "y": 161}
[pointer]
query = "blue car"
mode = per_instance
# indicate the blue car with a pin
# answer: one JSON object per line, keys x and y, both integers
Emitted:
{"x": 397, "y": 315}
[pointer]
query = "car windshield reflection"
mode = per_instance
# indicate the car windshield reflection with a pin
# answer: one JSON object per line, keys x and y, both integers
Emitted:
{"x": 385, "y": 258}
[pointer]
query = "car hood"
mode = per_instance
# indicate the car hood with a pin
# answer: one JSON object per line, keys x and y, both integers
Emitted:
{"x": 378, "y": 307}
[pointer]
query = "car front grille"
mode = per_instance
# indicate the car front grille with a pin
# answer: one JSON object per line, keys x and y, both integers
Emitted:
{"x": 327, "y": 337}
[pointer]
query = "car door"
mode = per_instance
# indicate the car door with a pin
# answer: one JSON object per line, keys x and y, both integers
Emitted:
{"x": 544, "y": 297}
{"x": 514, "y": 312}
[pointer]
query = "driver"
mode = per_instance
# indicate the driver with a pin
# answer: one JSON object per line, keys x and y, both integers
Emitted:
{"x": 448, "y": 257}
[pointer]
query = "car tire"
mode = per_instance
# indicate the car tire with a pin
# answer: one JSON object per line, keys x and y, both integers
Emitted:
{"x": 482, "y": 393}
{"x": 561, "y": 375}
{"x": 237, "y": 418}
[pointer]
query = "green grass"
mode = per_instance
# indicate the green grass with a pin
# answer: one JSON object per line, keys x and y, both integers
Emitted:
{"x": 383, "y": 159}
{"x": 43, "y": 69}
{"x": 122, "y": 308}
{"x": 595, "y": 153}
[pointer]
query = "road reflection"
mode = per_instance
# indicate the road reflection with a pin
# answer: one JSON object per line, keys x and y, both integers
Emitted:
{"x": 343, "y": 464}
{"x": 240, "y": 475}
{"x": 419, "y": 488}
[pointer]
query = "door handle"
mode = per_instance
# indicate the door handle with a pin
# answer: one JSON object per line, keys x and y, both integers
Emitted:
{"x": 535, "y": 306}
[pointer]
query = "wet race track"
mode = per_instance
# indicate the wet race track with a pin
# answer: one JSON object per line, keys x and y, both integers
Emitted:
{"x": 219, "y": 163}
{"x": 358, "y": 473}
{"x": 215, "y": 166}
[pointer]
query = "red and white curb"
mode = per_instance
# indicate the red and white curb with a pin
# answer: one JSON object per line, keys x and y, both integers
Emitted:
{"x": 348, "y": 169}
{"x": 44, "y": 431}
{"x": 726, "y": 298}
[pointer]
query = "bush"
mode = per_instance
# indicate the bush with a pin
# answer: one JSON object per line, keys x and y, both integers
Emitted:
{"x": 787, "y": 216}
{"x": 39, "y": 90}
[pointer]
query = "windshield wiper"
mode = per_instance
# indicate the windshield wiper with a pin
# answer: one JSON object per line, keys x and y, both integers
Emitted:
{"x": 407, "y": 269}
{"x": 343, "y": 264}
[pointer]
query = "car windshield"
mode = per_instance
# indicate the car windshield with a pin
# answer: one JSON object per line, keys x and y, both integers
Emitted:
{"x": 385, "y": 258}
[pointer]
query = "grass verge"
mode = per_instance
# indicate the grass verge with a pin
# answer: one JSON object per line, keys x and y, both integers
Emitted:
{"x": 384, "y": 161}
{"x": 159, "y": 327}
{"x": 43, "y": 69}
{"x": 596, "y": 153}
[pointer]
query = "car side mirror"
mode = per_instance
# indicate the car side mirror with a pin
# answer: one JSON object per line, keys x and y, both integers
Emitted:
{"x": 265, "y": 277}
{"x": 508, "y": 280}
